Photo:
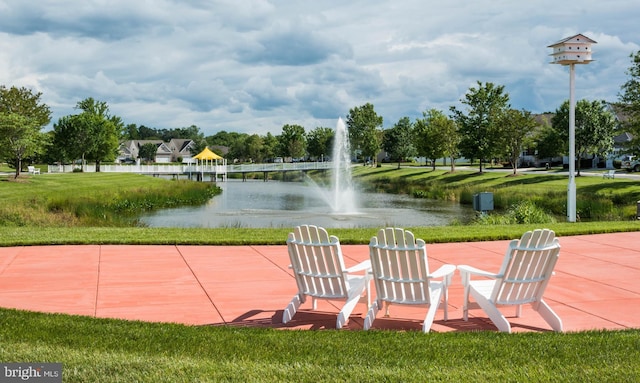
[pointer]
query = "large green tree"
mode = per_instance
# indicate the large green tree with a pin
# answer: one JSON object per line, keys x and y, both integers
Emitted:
{"x": 479, "y": 124}
{"x": 237, "y": 148}
{"x": 148, "y": 152}
{"x": 91, "y": 135}
{"x": 22, "y": 117}
{"x": 516, "y": 129}
{"x": 232, "y": 140}
{"x": 629, "y": 104}
{"x": 548, "y": 142}
{"x": 364, "y": 126}
{"x": 292, "y": 142}
{"x": 320, "y": 142}
{"x": 253, "y": 148}
{"x": 431, "y": 135}
{"x": 398, "y": 141}
{"x": 269, "y": 146}
{"x": 595, "y": 127}
{"x": 223, "y": 138}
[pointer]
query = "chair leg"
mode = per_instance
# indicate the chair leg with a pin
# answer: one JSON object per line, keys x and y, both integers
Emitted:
{"x": 465, "y": 304}
{"x": 446, "y": 303}
{"x": 549, "y": 315}
{"x": 371, "y": 315}
{"x": 433, "y": 307}
{"x": 367, "y": 291}
{"x": 344, "y": 314}
{"x": 492, "y": 311}
{"x": 291, "y": 309}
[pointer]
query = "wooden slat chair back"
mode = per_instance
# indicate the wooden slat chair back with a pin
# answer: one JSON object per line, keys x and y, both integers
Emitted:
{"x": 319, "y": 269}
{"x": 317, "y": 262}
{"x": 400, "y": 267}
{"x": 401, "y": 274}
{"x": 523, "y": 278}
{"x": 527, "y": 268}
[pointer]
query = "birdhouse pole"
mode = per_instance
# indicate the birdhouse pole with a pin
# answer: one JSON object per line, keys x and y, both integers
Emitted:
{"x": 571, "y": 51}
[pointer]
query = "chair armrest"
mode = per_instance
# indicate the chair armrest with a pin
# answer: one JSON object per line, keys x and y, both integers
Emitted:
{"x": 362, "y": 266}
{"x": 446, "y": 273}
{"x": 443, "y": 271}
{"x": 465, "y": 269}
{"x": 466, "y": 272}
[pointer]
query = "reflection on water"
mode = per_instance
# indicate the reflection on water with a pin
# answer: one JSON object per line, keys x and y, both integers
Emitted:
{"x": 257, "y": 204}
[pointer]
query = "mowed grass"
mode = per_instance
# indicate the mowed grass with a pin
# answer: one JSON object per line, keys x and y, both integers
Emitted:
{"x": 25, "y": 236}
{"x": 92, "y": 199}
{"x": 104, "y": 350}
{"x": 597, "y": 199}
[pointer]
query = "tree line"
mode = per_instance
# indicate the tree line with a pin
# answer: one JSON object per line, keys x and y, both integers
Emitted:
{"x": 484, "y": 128}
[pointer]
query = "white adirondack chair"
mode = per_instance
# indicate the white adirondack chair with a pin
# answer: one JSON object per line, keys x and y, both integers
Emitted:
{"x": 401, "y": 275}
{"x": 33, "y": 170}
{"x": 318, "y": 266}
{"x": 523, "y": 278}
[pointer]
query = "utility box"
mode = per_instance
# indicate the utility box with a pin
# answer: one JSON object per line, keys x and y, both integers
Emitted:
{"x": 483, "y": 201}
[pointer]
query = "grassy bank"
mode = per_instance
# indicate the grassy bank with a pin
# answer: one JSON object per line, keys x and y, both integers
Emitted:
{"x": 92, "y": 199}
{"x": 100, "y": 350}
{"x": 39, "y": 210}
{"x": 598, "y": 199}
{"x": 24, "y": 236}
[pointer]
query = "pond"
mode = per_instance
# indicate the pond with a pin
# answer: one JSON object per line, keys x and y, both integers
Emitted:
{"x": 258, "y": 204}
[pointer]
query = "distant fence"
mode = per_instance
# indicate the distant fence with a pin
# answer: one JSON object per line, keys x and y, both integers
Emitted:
{"x": 278, "y": 167}
{"x": 141, "y": 169}
{"x": 170, "y": 169}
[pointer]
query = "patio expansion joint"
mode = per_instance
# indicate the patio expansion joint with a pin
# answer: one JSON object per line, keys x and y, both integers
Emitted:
{"x": 269, "y": 260}
{"x": 200, "y": 284}
{"x": 611, "y": 262}
{"x": 600, "y": 282}
{"x": 8, "y": 264}
{"x": 585, "y": 312}
{"x": 95, "y": 303}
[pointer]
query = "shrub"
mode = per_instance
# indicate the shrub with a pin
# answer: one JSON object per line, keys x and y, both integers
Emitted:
{"x": 528, "y": 212}
{"x": 523, "y": 212}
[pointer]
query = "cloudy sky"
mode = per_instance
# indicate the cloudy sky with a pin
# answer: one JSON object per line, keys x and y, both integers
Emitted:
{"x": 252, "y": 66}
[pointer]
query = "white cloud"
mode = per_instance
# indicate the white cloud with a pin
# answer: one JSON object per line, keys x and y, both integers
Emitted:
{"x": 255, "y": 65}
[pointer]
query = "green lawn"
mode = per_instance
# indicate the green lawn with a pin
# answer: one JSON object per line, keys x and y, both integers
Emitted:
{"x": 101, "y": 350}
{"x": 598, "y": 199}
{"x": 92, "y": 199}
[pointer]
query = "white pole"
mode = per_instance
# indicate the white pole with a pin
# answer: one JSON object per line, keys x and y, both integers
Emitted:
{"x": 571, "y": 191}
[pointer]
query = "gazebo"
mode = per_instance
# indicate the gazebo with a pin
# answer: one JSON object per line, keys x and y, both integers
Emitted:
{"x": 207, "y": 162}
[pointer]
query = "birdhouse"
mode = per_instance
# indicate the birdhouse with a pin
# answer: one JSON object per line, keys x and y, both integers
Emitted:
{"x": 572, "y": 50}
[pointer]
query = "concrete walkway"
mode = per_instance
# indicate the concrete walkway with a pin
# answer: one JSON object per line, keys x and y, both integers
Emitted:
{"x": 596, "y": 286}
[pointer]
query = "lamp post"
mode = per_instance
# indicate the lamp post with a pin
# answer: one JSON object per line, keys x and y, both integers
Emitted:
{"x": 571, "y": 51}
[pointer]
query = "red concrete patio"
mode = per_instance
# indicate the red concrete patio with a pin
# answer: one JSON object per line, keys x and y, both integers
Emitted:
{"x": 596, "y": 286}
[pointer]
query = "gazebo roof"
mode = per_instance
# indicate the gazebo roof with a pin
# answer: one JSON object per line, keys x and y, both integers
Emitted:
{"x": 207, "y": 154}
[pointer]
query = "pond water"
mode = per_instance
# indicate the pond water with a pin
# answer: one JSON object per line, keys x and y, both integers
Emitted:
{"x": 258, "y": 204}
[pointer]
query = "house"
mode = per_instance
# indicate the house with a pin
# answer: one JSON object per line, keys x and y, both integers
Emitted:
{"x": 182, "y": 149}
{"x": 167, "y": 152}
